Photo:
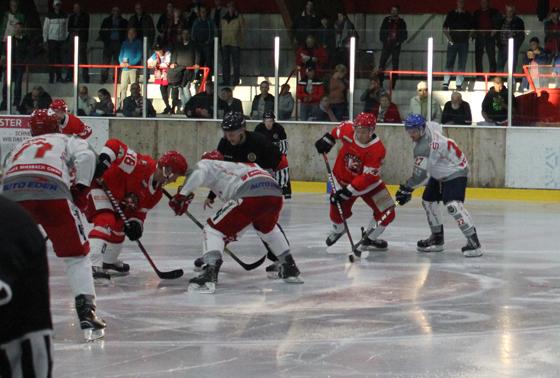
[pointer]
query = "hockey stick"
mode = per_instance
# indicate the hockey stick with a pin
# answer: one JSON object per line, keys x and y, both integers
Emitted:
{"x": 367, "y": 234}
{"x": 163, "y": 275}
{"x": 245, "y": 266}
{"x": 355, "y": 252}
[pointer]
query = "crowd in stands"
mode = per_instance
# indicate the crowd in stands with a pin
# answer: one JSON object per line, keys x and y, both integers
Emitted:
{"x": 181, "y": 38}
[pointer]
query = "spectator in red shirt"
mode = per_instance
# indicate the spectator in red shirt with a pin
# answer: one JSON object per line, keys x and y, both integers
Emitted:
{"x": 392, "y": 35}
{"x": 386, "y": 111}
{"x": 486, "y": 21}
{"x": 311, "y": 55}
{"x": 309, "y": 93}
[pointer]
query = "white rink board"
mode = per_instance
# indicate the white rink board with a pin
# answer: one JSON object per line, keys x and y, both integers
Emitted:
{"x": 533, "y": 158}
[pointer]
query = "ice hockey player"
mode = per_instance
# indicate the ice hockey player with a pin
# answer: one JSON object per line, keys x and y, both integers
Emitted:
{"x": 357, "y": 173}
{"x": 441, "y": 161}
{"x": 135, "y": 180}
{"x": 43, "y": 174}
{"x": 69, "y": 123}
{"x": 251, "y": 197}
{"x": 276, "y": 134}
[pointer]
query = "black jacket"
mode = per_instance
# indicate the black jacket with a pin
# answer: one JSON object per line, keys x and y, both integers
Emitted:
{"x": 402, "y": 33}
{"x": 236, "y": 106}
{"x": 107, "y": 28}
{"x": 202, "y": 100}
{"x": 495, "y": 20}
{"x": 256, "y": 149}
{"x": 517, "y": 26}
{"x": 276, "y": 135}
{"x": 183, "y": 56}
{"x": 268, "y": 104}
{"x": 78, "y": 25}
{"x": 144, "y": 26}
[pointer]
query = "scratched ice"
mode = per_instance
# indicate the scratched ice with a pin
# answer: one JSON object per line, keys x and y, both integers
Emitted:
{"x": 397, "y": 313}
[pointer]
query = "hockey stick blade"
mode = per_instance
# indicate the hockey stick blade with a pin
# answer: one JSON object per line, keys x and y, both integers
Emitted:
{"x": 244, "y": 265}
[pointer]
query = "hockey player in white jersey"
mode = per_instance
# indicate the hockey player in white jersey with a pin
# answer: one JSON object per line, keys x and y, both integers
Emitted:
{"x": 252, "y": 197}
{"x": 44, "y": 174}
{"x": 442, "y": 162}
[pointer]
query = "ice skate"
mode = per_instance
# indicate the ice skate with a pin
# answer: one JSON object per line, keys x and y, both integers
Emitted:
{"x": 433, "y": 244}
{"x": 472, "y": 249}
{"x": 100, "y": 277}
{"x": 368, "y": 244}
{"x": 335, "y": 234}
{"x": 289, "y": 272}
{"x": 198, "y": 263}
{"x": 272, "y": 271}
{"x": 93, "y": 327}
{"x": 118, "y": 268}
{"x": 206, "y": 282}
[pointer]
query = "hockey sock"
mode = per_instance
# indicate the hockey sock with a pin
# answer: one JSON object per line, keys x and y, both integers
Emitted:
{"x": 97, "y": 248}
{"x": 433, "y": 213}
{"x": 275, "y": 240}
{"x": 78, "y": 270}
{"x": 282, "y": 257}
{"x": 462, "y": 216}
{"x": 213, "y": 244}
{"x": 211, "y": 257}
{"x": 377, "y": 230}
{"x": 112, "y": 252}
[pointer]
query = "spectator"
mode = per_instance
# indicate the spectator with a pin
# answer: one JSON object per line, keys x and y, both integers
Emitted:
{"x": 233, "y": 30}
{"x": 457, "y": 27}
{"x": 306, "y": 23}
{"x": 86, "y": 103}
{"x": 338, "y": 88}
{"x": 495, "y": 104}
{"x": 192, "y": 14}
{"x": 104, "y": 107}
{"x": 419, "y": 103}
{"x": 143, "y": 23}
{"x": 285, "y": 103}
{"x": 9, "y": 20}
{"x": 324, "y": 112}
{"x": 228, "y": 103}
{"x": 184, "y": 54}
{"x": 371, "y": 96}
{"x": 159, "y": 62}
{"x": 263, "y": 102}
{"x": 456, "y": 111}
{"x": 132, "y": 105}
{"x": 201, "y": 105}
{"x": 311, "y": 55}
{"x": 78, "y": 25}
{"x": 36, "y": 99}
{"x": 512, "y": 27}
{"x": 344, "y": 30}
{"x": 164, "y": 26}
{"x": 177, "y": 26}
{"x": 309, "y": 93}
{"x": 534, "y": 57}
{"x": 20, "y": 50}
{"x": 203, "y": 33}
{"x": 55, "y": 34}
{"x": 552, "y": 32}
{"x": 392, "y": 34}
{"x": 326, "y": 38}
{"x": 386, "y": 111}
{"x": 112, "y": 33}
{"x": 130, "y": 55}
{"x": 486, "y": 21}
{"x": 216, "y": 14}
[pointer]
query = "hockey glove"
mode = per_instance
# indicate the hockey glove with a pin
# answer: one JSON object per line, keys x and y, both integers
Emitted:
{"x": 103, "y": 162}
{"x": 340, "y": 196}
{"x": 79, "y": 196}
{"x": 133, "y": 230}
{"x": 325, "y": 144}
{"x": 180, "y": 203}
{"x": 404, "y": 194}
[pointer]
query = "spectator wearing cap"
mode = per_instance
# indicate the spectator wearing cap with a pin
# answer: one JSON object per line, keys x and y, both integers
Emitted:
{"x": 86, "y": 103}
{"x": 495, "y": 103}
{"x": 456, "y": 111}
{"x": 143, "y": 23}
{"x": 130, "y": 55}
{"x": 386, "y": 111}
{"x": 372, "y": 95}
{"x": 201, "y": 105}
{"x": 233, "y": 32}
{"x": 227, "y": 103}
{"x": 338, "y": 88}
{"x": 133, "y": 104}
{"x": 310, "y": 90}
{"x": 159, "y": 62}
{"x": 55, "y": 34}
{"x": 38, "y": 98}
{"x": 20, "y": 53}
{"x": 512, "y": 27}
{"x": 552, "y": 32}
{"x": 311, "y": 55}
{"x": 263, "y": 102}
{"x": 285, "y": 103}
{"x": 306, "y": 23}
{"x": 457, "y": 28}
{"x": 78, "y": 26}
{"x": 112, "y": 33}
{"x": 419, "y": 103}
{"x": 486, "y": 21}
{"x": 393, "y": 34}
{"x": 203, "y": 33}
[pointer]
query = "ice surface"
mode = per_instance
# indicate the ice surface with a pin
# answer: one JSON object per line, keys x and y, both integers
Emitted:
{"x": 396, "y": 314}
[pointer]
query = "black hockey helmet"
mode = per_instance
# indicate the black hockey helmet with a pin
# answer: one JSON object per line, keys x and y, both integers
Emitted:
{"x": 269, "y": 115}
{"x": 233, "y": 121}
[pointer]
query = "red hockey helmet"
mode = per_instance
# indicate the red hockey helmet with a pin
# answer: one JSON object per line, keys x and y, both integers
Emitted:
{"x": 59, "y": 104}
{"x": 366, "y": 120}
{"x": 43, "y": 122}
{"x": 174, "y": 161}
{"x": 212, "y": 155}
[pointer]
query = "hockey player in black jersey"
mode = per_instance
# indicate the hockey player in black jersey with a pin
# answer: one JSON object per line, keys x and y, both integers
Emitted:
{"x": 276, "y": 134}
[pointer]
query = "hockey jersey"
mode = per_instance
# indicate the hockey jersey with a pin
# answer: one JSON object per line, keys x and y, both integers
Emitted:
{"x": 255, "y": 149}
{"x": 130, "y": 176}
{"x": 276, "y": 135}
{"x": 357, "y": 165}
{"x": 72, "y": 125}
{"x": 231, "y": 181}
{"x": 46, "y": 166}
{"x": 438, "y": 157}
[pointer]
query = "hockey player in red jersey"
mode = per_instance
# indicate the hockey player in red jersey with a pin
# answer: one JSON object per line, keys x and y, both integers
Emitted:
{"x": 69, "y": 123}
{"x": 135, "y": 181}
{"x": 357, "y": 172}
{"x": 43, "y": 174}
{"x": 252, "y": 198}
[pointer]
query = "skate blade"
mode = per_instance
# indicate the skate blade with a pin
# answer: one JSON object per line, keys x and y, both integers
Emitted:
{"x": 272, "y": 275}
{"x": 207, "y": 288}
{"x": 115, "y": 273}
{"x": 293, "y": 280}
{"x": 92, "y": 334}
{"x": 373, "y": 249}
{"x": 473, "y": 253}
{"x": 430, "y": 249}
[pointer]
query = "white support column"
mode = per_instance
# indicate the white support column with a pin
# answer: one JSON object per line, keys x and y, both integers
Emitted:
{"x": 8, "y": 99}
{"x": 215, "y": 75}
{"x": 276, "y": 73}
{"x": 76, "y": 71}
{"x": 145, "y": 77}
{"x": 430, "y": 70}
{"x": 352, "y": 77}
{"x": 510, "y": 81}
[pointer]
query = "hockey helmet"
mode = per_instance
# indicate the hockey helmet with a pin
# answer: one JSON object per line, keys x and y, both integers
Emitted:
{"x": 174, "y": 161}
{"x": 58, "y": 104}
{"x": 212, "y": 155}
{"x": 43, "y": 122}
{"x": 415, "y": 121}
{"x": 233, "y": 121}
{"x": 268, "y": 115}
{"x": 365, "y": 120}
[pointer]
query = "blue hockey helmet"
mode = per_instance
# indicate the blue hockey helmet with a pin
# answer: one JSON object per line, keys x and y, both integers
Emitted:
{"x": 415, "y": 121}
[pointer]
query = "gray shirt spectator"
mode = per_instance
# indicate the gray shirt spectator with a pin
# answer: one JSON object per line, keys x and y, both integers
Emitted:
{"x": 419, "y": 103}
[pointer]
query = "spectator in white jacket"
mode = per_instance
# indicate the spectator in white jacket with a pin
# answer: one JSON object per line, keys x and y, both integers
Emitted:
{"x": 55, "y": 34}
{"x": 419, "y": 103}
